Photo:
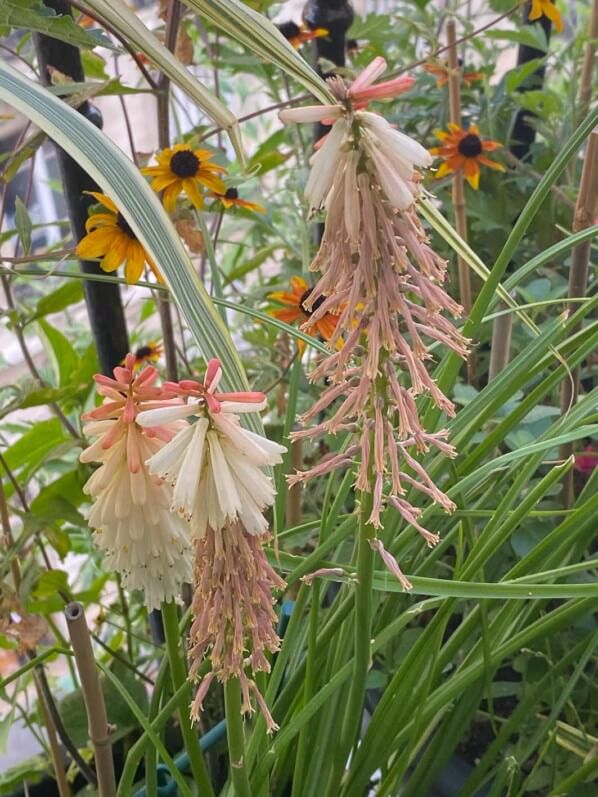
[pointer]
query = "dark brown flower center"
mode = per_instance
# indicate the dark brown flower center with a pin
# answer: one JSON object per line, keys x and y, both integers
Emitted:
{"x": 317, "y": 303}
{"x": 231, "y": 193}
{"x": 184, "y": 163}
{"x": 143, "y": 352}
{"x": 289, "y": 30}
{"x": 123, "y": 225}
{"x": 470, "y": 146}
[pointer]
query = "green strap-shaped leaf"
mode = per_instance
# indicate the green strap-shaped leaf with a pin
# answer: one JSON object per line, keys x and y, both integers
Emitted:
{"x": 120, "y": 179}
{"x": 258, "y": 34}
{"x": 127, "y": 23}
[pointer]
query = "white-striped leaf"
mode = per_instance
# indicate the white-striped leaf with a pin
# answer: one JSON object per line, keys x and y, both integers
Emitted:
{"x": 120, "y": 179}
{"x": 126, "y": 22}
{"x": 258, "y": 34}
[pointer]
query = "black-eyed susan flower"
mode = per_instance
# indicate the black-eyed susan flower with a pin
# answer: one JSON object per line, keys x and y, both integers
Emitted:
{"x": 441, "y": 73}
{"x": 110, "y": 238}
{"x": 463, "y": 149}
{"x": 182, "y": 169}
{"x": 546, "y": 8}
{"x": 299, "y": 34}
{"x": 295, "y": 311}
{"x": 231, "y": 199}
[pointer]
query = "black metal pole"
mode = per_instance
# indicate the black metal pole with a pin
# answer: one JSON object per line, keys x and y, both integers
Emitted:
{"x": 336, "y": 16}
{"x": 104, "y": 305}
{"x": 523, "y": 133}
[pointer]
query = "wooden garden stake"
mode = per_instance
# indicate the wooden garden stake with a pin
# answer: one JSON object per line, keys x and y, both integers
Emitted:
{"x": 585, "y": 212}
{"x": 587, "y": 70}
{"x": 454, "y": 89}
{"x": 99, "y": 733}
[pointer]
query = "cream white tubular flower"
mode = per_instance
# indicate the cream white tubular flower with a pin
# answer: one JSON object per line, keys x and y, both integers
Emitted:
{"x": 133, "y": 526}
{"x": 357, "y": 134}
{"x": 214, "y": 466}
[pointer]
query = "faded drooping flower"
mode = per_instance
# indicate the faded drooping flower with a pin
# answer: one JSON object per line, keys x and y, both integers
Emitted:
{"x": 234, "y": 620}
{"x": 379, "y": 274}
{"x": 141, "y": 538}
{"x": 214, "y": 464}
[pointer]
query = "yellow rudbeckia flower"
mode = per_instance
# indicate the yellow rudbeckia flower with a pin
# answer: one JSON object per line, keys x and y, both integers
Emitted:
{"x": 110, "y": 238}
{"x": 182, "y": 169}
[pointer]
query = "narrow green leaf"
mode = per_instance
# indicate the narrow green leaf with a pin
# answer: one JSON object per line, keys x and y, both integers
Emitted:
{"x": 147, "y": 727}
{"x": 119, "y": 178}
{"x": 23, "y": 224}
{"x": 257, "y": 33}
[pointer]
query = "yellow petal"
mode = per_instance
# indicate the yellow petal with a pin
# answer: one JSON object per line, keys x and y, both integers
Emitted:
{"x": 116, "y": 254}
{"x": 100, "y": 220}
{"x": 192, "y": 190}
{"x": 170, "y": 195}
{"x": 135, "y": 261}
{"x": 96, "y": 243}
{"x": 103, "y": 200}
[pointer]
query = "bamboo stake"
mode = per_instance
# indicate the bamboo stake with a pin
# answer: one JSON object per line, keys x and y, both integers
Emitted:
{"x": 55, "y": 754}
{"x": 585, "y": 211}
{"x": 94, "y": 699}
{"x": 454, "y": 90}
{"x": 458, "y": 183}
{"x": 64, "y": 790}
{"x": 587, "y": 70}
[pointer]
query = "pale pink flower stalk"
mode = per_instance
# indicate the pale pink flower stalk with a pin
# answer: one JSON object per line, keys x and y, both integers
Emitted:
{"x": 234, "y": 620}
{"x": 141, "y": 539}
{"x": 215, "y": 465}
{"x": 380, "y": 275}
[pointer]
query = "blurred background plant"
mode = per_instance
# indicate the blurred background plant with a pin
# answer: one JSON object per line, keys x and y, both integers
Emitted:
{"x": 475, "y": 682}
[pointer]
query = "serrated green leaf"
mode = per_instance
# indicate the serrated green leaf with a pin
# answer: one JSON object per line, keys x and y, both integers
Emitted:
{"x": 262, "y": 37}
{"x": 119, "y": 178}
{"x": 34, "y": 15}
{"x": 130, "y": 26}
{"x": 23, "y": 224}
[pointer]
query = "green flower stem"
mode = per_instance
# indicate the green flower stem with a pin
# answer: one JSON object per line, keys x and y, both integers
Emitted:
{"x": 363, "y": 627}
{"x": 236, "y": 741}
{"x": 309, "y": 689}
{"x": 178, "y": 673}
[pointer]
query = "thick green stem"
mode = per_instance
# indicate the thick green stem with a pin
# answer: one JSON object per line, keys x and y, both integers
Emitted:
{"x": 363, "y": 627}
{"x": 309, "y": 688}
{"x": 178, "y": 673}
{"x": 236, "y": 741}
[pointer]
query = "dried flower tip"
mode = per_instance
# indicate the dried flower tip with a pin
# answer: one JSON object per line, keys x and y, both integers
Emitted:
{"x": 392, "y": 564}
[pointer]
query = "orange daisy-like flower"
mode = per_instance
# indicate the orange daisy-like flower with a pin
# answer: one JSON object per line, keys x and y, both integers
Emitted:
{"x": 182, "y": 169}
{"x": 441, "y": 73}
{"x": 230, "y": 198}
{"x": 110, "y": 238}
{"x": 295, "y": 311}
{"x": 299, "y": 34}
{"x": 463, "y": 149}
